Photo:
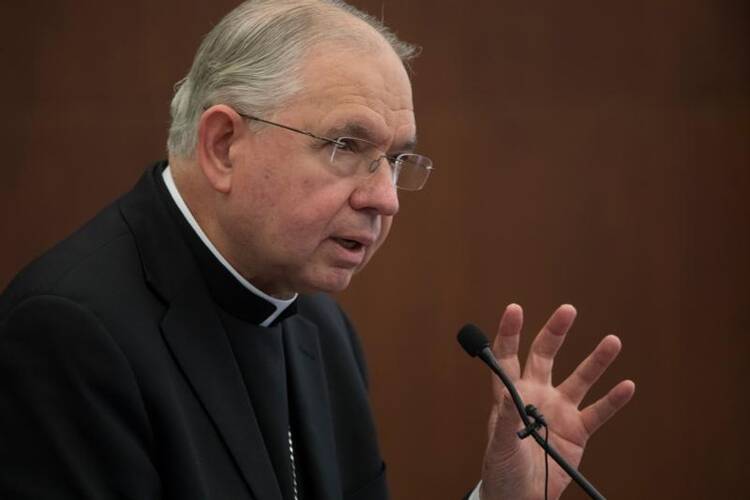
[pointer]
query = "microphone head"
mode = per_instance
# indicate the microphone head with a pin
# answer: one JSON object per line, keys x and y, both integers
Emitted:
{"x": 472, "y": 339}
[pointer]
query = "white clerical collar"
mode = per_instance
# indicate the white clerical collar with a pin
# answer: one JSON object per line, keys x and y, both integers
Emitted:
{"x": 279, "y": 304}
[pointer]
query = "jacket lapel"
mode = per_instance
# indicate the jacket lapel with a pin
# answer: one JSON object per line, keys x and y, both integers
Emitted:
{"x": 197, "y": 339}
{"x": 195, "y": 334}
{"x": 310, "y": 407}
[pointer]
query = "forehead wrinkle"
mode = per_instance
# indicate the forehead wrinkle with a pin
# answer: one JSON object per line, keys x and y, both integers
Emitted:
{"x": 347, "y": 96}
{"x": 373, "y": 90}
{"x": 362, "y": 101}
{"x": 388, "y": 105}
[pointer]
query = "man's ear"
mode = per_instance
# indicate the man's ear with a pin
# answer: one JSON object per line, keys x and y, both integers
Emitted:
{"x": 218, "y": 129}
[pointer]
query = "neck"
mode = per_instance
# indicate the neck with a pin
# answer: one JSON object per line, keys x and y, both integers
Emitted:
{"x": 200, "y": 200}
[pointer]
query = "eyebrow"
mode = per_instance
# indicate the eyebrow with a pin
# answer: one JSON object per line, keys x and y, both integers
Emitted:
{"x": 409, "y": 146}
{"x": 359, "y": 131}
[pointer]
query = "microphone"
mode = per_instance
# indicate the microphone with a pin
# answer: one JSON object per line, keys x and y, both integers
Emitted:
{"x": 475, "y": 343}
{"x": 472, "y": 339}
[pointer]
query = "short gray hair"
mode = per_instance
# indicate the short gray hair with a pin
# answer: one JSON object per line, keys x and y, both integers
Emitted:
{"x": 251, "y": 59}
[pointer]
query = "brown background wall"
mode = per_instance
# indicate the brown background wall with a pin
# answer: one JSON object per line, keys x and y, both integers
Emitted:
{"x": 587, "y": 152}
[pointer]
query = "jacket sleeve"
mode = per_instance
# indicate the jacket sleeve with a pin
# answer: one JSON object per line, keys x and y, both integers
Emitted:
{"x": 72, "y": 420}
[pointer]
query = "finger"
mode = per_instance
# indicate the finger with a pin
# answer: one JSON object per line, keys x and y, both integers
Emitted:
{"x": 597, "y": 413}
{"x": 505, "y": 345}
{"x": 547, "y": 343}
{"x": 508, "y": 332}
{"x": 577, "y": 385}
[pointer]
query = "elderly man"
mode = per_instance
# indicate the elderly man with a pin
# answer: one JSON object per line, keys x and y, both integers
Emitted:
{"x": 179, "y": 346}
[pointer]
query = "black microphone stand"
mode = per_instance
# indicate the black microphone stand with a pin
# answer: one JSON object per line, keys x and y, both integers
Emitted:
{"x": 533, "y": 421}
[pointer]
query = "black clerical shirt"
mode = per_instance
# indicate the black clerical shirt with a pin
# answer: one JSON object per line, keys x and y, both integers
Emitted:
{"x": 259, "y": 351}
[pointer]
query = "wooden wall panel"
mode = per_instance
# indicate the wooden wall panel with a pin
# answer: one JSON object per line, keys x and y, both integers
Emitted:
{"x": 595, "y": 153}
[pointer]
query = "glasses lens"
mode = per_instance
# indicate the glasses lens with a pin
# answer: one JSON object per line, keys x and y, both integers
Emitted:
{"x": 412, "y": 171}
{"x": 351, "y": 156}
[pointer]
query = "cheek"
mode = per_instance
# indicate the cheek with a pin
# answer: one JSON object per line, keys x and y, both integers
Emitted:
{"x": 308, "y": 220}
{"x": 307, "y": 213}
{"x": 384, "y": 230}
{"x": 292, "y": 203}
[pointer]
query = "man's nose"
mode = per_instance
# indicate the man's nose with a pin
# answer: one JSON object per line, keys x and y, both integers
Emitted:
{"x": 377, "y": 191}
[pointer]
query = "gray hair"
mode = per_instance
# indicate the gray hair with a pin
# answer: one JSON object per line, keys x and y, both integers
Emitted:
{"x": 252, "y": 58}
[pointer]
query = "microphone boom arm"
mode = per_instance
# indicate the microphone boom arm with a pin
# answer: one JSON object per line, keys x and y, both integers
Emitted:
{"x": 476, "y": 344}
{"x": 531, "y": 427}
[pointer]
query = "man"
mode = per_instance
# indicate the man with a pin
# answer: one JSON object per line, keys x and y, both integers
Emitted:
{"x": 179, "y": 345}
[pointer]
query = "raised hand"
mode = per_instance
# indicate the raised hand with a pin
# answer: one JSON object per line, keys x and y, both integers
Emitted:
{"x": 514, "y": 468}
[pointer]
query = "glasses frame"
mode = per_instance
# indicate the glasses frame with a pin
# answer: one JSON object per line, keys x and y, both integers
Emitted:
{"x": 393, "y": 160}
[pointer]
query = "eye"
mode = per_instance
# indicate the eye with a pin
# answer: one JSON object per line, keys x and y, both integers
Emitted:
{"x": 348, "y": 145}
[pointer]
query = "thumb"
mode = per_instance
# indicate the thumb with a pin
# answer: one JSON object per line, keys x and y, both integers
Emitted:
{"x": 503, "y": 424}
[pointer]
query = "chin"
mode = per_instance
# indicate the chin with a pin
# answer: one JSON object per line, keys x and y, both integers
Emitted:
{"x": 333, "y": 281}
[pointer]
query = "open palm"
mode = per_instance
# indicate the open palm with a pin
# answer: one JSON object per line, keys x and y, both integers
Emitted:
{"x": 514, "y": 468}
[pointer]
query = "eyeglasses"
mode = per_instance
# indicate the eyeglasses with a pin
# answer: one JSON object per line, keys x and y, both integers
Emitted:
{"x": 359, "y": 157}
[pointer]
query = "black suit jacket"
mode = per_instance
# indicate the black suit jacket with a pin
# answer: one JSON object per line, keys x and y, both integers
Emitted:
{"x": 117, "y": 379}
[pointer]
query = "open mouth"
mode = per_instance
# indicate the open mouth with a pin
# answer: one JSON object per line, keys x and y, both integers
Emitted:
{"x": 348, "y": 244}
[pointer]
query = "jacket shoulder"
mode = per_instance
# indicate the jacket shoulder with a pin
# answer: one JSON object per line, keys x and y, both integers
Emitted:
{"x": 88, "y": 258}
